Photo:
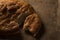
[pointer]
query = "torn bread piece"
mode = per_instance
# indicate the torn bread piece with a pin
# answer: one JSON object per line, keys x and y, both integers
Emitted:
{"x": 32, "y": 24}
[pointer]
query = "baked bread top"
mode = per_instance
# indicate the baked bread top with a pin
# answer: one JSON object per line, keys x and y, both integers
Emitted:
{"x": 13, "y": 13}
{"x": 10, "y": 14}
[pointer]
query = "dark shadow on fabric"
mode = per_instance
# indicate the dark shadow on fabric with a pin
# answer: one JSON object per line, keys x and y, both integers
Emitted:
{"x": 12, "y": 37}
{"x": 41, "y": 32}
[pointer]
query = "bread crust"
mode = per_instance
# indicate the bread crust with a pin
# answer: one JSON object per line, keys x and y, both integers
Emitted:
{"x": 11, "y": 17}
{"x": 32, "y": 23}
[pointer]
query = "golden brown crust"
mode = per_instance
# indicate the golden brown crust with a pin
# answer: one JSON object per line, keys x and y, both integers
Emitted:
{"x": 32, "y": 23}
{"x": 10, "y": 15}
{"x": 10, "y": 11}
